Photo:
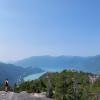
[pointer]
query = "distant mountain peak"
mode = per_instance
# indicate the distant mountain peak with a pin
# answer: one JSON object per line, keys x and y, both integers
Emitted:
{"x": 57, "y": 63}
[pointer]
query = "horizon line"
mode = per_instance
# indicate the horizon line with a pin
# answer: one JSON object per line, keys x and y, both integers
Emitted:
{"x": 23, "y": 58}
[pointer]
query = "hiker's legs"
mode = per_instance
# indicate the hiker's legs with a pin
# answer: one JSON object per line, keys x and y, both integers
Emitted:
{"x": 6, "y": 88}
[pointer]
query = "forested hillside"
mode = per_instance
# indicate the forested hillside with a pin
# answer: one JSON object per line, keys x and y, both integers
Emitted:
{"x": 15, "y": 73}
{"x": 67, "y": 85}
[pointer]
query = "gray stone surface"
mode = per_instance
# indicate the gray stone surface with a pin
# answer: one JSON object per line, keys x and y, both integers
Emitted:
{"x": 19, "y": 96}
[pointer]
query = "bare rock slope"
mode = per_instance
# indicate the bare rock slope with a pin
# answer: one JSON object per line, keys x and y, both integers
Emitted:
{"x": 20, "y": 96}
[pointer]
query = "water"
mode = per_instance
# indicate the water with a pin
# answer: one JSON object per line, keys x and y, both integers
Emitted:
{"x": 33, "y": 76}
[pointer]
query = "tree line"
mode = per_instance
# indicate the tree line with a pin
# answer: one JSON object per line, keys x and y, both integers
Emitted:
{"x": 66, "y": 85}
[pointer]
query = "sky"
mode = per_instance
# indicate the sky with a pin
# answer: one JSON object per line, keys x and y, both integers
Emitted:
{"x": 49, "y": 27}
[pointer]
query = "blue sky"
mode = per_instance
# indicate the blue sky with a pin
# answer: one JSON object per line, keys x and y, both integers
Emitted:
{"x": 49, "y": 27}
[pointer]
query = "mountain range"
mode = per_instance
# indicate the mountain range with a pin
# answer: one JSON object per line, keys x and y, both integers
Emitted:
{"x": 38, "y": 64}
{"x": 58, "y": 63}
{"x": 15, "y": 73}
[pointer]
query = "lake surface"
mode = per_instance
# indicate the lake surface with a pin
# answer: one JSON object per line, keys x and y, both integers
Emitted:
{"x": 33, "y": 76}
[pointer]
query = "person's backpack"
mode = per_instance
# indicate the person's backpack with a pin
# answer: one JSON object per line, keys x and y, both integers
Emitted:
{"x": 6, "y": 83}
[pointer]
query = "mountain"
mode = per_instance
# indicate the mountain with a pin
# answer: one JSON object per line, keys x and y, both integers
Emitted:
{"x": 57, "y": 63}
{"x": 15, "y": 73}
